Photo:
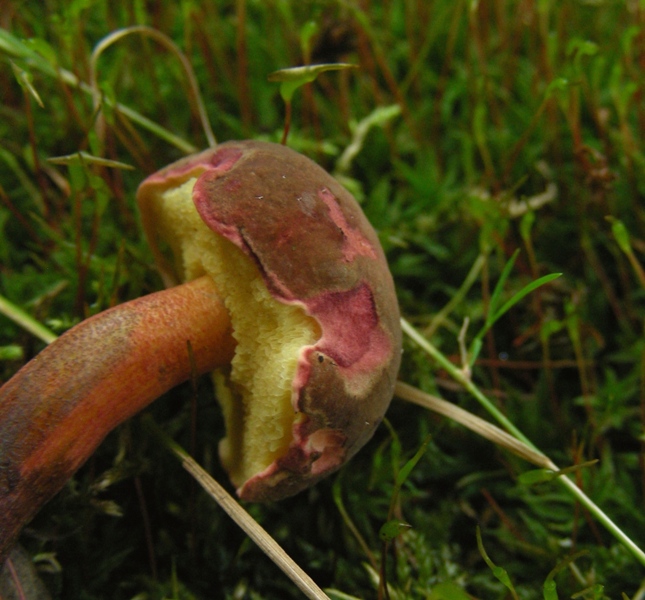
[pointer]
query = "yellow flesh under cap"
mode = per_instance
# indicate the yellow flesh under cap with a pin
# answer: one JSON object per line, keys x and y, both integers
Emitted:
{"x": 255, "y": 393}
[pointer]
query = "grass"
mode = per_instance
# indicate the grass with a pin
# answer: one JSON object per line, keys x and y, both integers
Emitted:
{"x": 516, "y": 128}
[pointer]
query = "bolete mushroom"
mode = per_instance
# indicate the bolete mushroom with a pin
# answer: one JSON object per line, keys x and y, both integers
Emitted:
{"x": 286, "y": 297}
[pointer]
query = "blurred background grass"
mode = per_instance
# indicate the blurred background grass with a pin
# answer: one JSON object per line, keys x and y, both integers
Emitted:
{"x": 520, "y": 126}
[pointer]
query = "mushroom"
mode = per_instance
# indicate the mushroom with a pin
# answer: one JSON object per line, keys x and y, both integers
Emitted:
{"x": 286, "y": 297}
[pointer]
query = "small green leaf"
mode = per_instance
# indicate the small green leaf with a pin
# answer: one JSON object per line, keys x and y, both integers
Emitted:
{"x": 448, "y": 591}
{"x": 621, "y": 235}
{"x": 627, "y": 39}
{"x": 499, "y": 288}
{"x": 13, "y": 46}
{"x": 557, "y": 85}
{"x": 524, "y": 292}
{"x": 579, "y": 48}
{"x": 499, "y": 572}
{"x": 494, "y": 314}
{"x": 536, "y": 476}
{"x": 404, "y": 473}
{"x": 474, "y": 350}
{"x": 107, "y": 507}
{"x": 526, "y": 224}
{"x": 392, "y": 529}
{"x": 11, "y": 352}
{"x": 479, "y": 123}
{"x": 543, "y": 475}
{"x": 502, "y": 575}
{"x": 85, "y": 158}
{"x": 549, "y": 590}
{"x": 25, "y": 80}
{"x": 307, "y": 31}
{"x": 293, "y": 78}
{"x": 43, "y": 49}
{"x": 548, "y": 328}
{"x": 578, "y": 467}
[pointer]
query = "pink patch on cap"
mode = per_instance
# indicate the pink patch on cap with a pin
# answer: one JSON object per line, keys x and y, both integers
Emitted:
{"x": 350, "y": 325}
{"x": 224, "y": 159}
{"x": 219, "y": 161}
{"x": 355, "y": 244}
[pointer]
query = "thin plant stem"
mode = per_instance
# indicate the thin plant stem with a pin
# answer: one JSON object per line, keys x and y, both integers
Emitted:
{"x": 460, "y": 376}
{"x": 242, "y": 518}
{"x": 349, "y": 523}
{"x": 287, "y": 122}
{"x": 473, "y": 422}
{"x": 165, "y": 41}
{"x": 458, "y": 296}
{"x": 241, "y": 51}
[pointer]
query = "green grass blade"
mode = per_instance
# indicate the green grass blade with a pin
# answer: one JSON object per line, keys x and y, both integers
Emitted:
{"x": 534, "y": 285}
{"x": 26, "y": 321}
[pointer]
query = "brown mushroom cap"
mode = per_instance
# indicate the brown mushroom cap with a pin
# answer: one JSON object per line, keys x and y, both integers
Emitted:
{"x": 280, "y": 219}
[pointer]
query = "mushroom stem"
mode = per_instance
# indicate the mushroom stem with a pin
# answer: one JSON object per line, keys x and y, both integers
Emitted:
{"x": 58, "y": 408}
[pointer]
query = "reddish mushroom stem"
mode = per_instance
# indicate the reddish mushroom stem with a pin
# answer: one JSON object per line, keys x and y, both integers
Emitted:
{"x": 58, "y": 408}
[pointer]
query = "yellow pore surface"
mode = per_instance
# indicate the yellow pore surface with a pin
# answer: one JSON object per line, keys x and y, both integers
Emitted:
{"x": 255, "y": 393}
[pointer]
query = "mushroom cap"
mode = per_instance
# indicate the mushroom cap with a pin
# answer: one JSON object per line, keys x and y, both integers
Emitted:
{"x": 314, "y": 250}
